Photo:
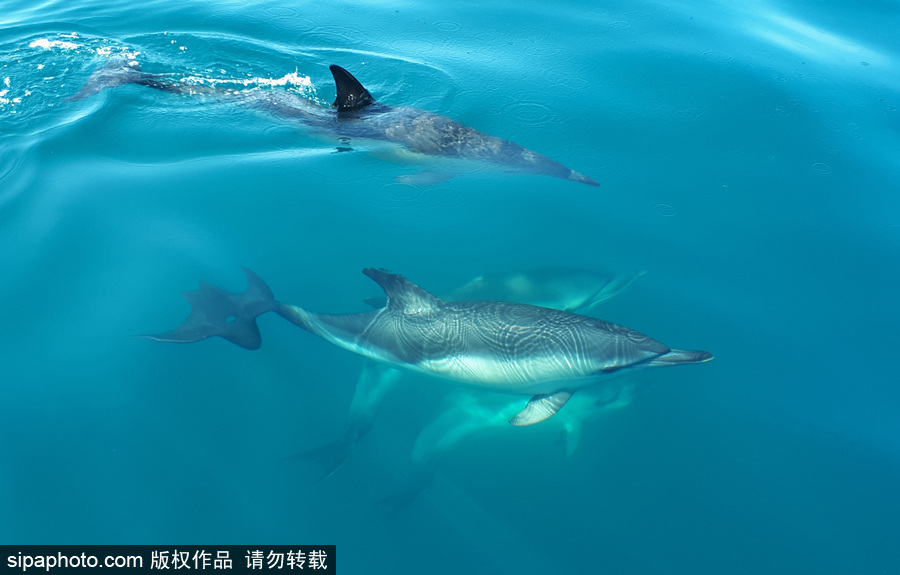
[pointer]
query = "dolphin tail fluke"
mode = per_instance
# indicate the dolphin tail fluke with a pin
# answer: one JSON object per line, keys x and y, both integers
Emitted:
{"x": 115, "y": 73}
{"x": 680, "y": 356}
{"x": 216, "y": 312}
{"x": 331, "y": 456}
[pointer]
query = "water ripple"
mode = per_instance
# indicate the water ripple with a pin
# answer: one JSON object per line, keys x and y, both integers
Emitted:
{"x": 664, "y": 209}
{"x": 539, "y": 49}
{"x": 529, "y": 112}
{"x": 448, "y": 26}
{"x": 716, "y": 56}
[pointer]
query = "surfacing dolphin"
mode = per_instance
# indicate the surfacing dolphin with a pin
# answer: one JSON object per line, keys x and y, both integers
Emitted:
{"x": 357, "y": 115}
{"x": 502, "y": 346}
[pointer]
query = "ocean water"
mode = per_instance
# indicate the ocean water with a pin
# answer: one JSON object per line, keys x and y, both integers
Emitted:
{"x": 747, "y": 161}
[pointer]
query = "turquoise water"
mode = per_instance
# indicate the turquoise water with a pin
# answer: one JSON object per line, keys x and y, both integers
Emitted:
{"x": 747, "y": 160}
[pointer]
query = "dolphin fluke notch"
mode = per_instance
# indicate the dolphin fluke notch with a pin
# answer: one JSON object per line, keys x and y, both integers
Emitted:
{"x": 350, "y": 93}
{"x": 216, "y": 312}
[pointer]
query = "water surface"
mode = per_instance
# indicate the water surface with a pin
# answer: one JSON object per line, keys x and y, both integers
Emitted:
{"x": 747, "y": 161}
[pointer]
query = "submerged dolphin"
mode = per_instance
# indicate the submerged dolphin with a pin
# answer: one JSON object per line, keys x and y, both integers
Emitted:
{"x": 356, "y": 114}
{"x": 558, "y": 288}
{"x": 562, "y": 288}
{"x": 468, "y": 415}
{"x": 502, "y": 346}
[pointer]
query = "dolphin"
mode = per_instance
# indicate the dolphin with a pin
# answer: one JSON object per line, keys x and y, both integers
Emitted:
{"x": 467, "y": 415}
{"x": 563, "y": 288}
{"x": 501, "y": 346}
{"x": 567, "y": 289}
{"x": 357, "y": 115}
{"x": 558, "y": 288}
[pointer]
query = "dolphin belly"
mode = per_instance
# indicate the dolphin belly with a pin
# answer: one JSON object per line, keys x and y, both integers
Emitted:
{"x": 506, "y": 376}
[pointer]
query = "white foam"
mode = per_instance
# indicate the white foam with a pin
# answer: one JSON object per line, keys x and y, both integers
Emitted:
{"x": 292, "y": 79}
{"x": 47, "y": 44}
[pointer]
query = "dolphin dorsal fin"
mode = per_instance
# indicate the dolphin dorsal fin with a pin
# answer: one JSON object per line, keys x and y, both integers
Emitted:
{"x": 350, "y": 93}
{"x": 402, "y": 294}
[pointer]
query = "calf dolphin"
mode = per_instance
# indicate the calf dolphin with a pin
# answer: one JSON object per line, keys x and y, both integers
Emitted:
{"x": 502, "y": 346}
{"x": 357, "y": 115}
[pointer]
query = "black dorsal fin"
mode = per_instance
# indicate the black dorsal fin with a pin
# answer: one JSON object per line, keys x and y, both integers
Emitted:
{"x": 402, "y": 294}
{"x": 350, "y": 93}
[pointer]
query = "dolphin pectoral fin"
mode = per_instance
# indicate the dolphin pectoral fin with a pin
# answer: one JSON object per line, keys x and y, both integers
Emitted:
{"x": 541, "y": 407}
{"x": 216, "y": 312}
{"x": 680, "y": 356}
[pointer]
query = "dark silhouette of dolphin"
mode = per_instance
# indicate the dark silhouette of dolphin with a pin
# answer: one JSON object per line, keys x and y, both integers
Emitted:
{"x": 507, "y": 347}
